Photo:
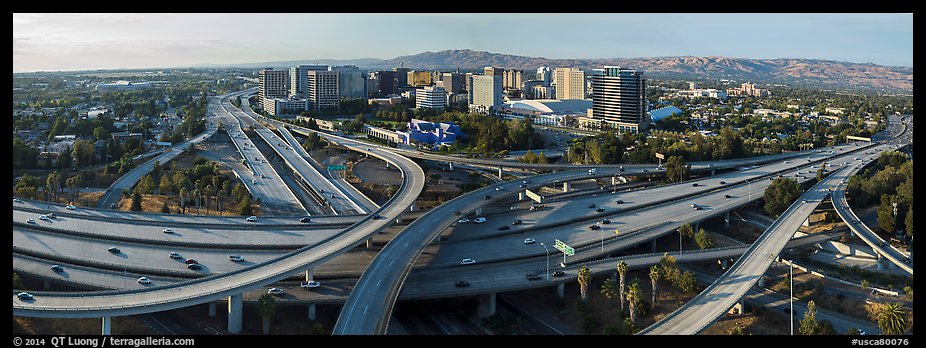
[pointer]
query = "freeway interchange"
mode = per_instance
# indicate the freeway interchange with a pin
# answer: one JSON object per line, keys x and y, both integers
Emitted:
{"x": 406, "y": 275}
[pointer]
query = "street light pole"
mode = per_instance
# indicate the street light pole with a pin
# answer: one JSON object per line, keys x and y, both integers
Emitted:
{"x": 548, "y": 259}
{"x": 601, "y": 233}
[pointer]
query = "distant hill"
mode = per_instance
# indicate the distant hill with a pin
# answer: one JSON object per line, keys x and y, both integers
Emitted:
{"x": 790, "y": 71}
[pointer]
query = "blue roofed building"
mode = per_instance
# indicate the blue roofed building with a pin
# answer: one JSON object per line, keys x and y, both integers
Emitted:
{"x": 662, "y": 113}
{"x": 420, "y": 131}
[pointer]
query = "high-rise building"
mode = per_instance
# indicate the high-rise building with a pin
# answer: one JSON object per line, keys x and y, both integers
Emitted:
{"x": 486, "y": 93}
{"x": 385, "y": 83}
{"x": 352, "y": 82}
{"x": 619, "y": 99}
{"x": 513, "y": 79}
{"x": 272, "y": 84}
{"x": 431, "y": 98}
{"x": 494, "y": 71}
{"x": 545, "y": 74}
{"x": 298, "y": 75}
{"x": 401, "y": 79}
{"x": 419, "y": 78}
{"x": 322, "y": 90}
{"x": 453, "y": 82}
{"x": 570, "y": 83}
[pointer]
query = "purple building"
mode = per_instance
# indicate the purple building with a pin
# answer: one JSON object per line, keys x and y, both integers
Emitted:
{"x": 432, "y": 132}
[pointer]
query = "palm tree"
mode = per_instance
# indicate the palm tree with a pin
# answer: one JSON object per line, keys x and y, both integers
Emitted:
{"x": 654, "y": 277}
{"x": 585, "y": 278}
{"x": 266, "y": 308}
{"x": 53, "y": 183}
{"x": 622, "y": 270}
{"x": 633, "y": 299}
{"x": 892, "y": 319}
{"x": 609, "y": 290}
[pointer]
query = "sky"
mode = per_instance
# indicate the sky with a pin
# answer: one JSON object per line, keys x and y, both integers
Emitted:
{"x": 65, "y": 42}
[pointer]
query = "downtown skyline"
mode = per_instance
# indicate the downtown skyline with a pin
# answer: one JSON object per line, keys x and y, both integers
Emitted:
{"x": 65, "y": 42}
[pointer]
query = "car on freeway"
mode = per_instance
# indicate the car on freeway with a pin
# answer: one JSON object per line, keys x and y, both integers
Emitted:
{"x": 251, "y": 218}
{"x": 880, "y": 244}
{"x": 70, "y": 207}
{"x": 463, "y": 220}
{"x": 803, "y": 201}
{"x": 529, "y": 241}
{"x": 51, "y": 215}
{"x": 517, "y": 222}
{"x": 522, "y": 186}
{"x": 599, "y": 210}
{"x": 592, "y": 205}
{"x": 194, "y": 266}
{"x": 620, "y": 201}
{"x": 305, "y": 219}
{"x": 487, "y": 197}
{"x": 57, "y": 268}
{"x": 114, "y": 250}
{"x": 467, "y": 261}
{"x": 24, "y": 296}
{"x": 594, "y": 227}
{"x": 190, "y": 261}
{"x": 532, "y": 276}
{"x": 167, "y": 230}
{"x": 558, "y": 273}
{"x": 310, "y": 284}
{"x": 606, "y": 221}
{"x": 906, "y": 259}
{"x": 253, "y": 181}
{"x": 175, "y": 255}
{"x": 461, "y": 284}
{"x": 499, "y": 188}
{"x": 526, "y": 181}
{"x": 43, "y": 217}
{"x": 479, "y": 220}
{"x": 723, "y": 182}
{"x": 376, "y": 216}
{"x": 275, "y": 291}
{"x": 696, "y": 207}
{"x": 17, "y": 200}
{"x": 694, "y": 184}
{"x": 236, "y": 258}
{"x": 31, "y": 221}
{"x": 144, "y": 280}
{"x": 504, "y": 228}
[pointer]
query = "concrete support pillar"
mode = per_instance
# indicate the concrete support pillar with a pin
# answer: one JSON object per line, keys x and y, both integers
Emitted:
{"x": 726, "y": 220}
{"x": 567, "y": 186}
{"x": 724, "y": 263}
{"x": 761, "y": 281}
{"x": 310, "y": 274}
{"x": 370, "y": 243}
{"x": 486, "y": 305}
{"x": 881, "y": 262}
{"x": 806, "y": 222}
{"x": 520, "y": 196}
{"x": 738, "y": 308}
{"x": 235, "y": 313}
{"x": 479, "y": 211}
{"x": 411, "y": 207}
{"x": 387, "y": 165}
{"x": 561, "y": 290}
{"x": 654, "y": 246}
{"x": 212, "y": 309}
{"x": 499, "y": 172}
{"x": 107, "y": 325}
{"x": 312, "y": 311}
{"x": 613, "y": 180}
{"x": 46, "y": 284}
{"x": 451, "y": 166}
{"x": 697, "y": 227}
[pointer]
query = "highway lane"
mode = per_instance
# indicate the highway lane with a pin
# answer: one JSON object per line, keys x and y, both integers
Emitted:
{"x": 880, "y": 246}
{"x": 232, "y": 283}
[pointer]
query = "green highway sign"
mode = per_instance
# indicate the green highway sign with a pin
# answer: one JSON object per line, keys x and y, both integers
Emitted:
{"x": 336, "y": 167}
{"x": 568, "y": 250}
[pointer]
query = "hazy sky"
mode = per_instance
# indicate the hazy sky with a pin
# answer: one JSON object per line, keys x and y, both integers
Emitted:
{"x": 64, "y": 42}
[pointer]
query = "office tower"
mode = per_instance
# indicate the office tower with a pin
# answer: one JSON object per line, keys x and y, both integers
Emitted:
{"x": 620, "y": 99}
{"x": 486, "y": 93}
{"x": 298, "y": 75}
{"x": 513, "y": 79}
{"x": 431, "y": 98}
{"x": 494, "y": 71}
{"x": 570, "y": 83}
{"x": 453, "y": 82}
{"x": 546, "y": 75}
{"x": 272, "y": 84}
{"x": 322, "y": 90}
{"x": 352, "y": 82}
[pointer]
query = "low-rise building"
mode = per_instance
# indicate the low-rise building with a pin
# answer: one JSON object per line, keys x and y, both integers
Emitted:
{"x": 281, "y": 107}
{"x": 121, "y": 137}
{"x": 420, "y": 131}
{"x": 122, "y": 86}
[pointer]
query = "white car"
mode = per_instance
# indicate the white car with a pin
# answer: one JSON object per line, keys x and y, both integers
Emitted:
{"x": 498, "y": 188}
{"x": 167, "y": 230}
{"x": 463, "y": 220}
{"x": 17, "y": 200}
{"x": 70, "y": 207}
{"x": 275, "y": 291}
{"x": 479, "y": 220}
{"x": 175, "y": 255}
{"x": 467, "y": 261}
{"x": 31, "y": 221}
{"x": 311, "y": 284}
{"x": 529, "y": 241}
{"x": 43, "y": 217}
{"x": 251, "y": 218}
{"x": 144, "y": 280}
{"x": 236, "y": 258}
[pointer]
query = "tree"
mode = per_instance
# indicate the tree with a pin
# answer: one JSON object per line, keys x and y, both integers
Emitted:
{"x": 164, "y": 208}
{"x": 687, "y": 230}
{"x": 136, "y": 202}
{"x": 73, "y": 183}
{"x": 267, "y": 307}
{"x": 704, "y": 240}
{"x": 622, "y": 271}
{"x": 808, "y": 325}
{"x": 654, "y": 277}
{"x": 609, "y": 290}
{"x": 886, "y": 219}
{"x": 17, "y": 281}
{"x": 585, "y": 278}
{"x": 83, "y": 153}
{"x": 633, "y": 299}
{"x": 53, "y": 182}
{"x": 740, "y": 329}
{"x": 165, "y": 187}
{"x": 246, "y": 209}
{"x": 780, "y": 195}
{"x": 676, "y": 170}
{"x": 892, "y": 319}
{"x": 908, "y": 222}
{"x": 687, "y": 282}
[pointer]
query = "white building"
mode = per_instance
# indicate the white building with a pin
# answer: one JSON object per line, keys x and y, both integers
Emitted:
{"x": 431, "y": 98}
{"x": 272, "y": 84}
{"x": 280, "y": 106}
{"x": 352, "y": 83}
{"x": 122, "y": 86}
{"x": 486, "y": 93}
{"x": 546, "y": 111}
{"x": 299, "y": 78}
{"x": 322, "y": 90}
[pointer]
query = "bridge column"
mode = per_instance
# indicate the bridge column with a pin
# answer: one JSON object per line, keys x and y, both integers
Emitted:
{"x": 881, "y": 261}
{"x": 561, "y": 290}
{"x": 309, "y": 274}
{"x": 567, "y": 186}
{"x": 479, "y": 211}
{"x": 723, "y": 264}
{"x": 370, "y": 242}
{"x": 738, "y": 308}
{"x": 411, "y": 207}
{"x": 499, "y": 172}
{"x": 107, "y": 325}
{"x": 312, "y": 311}
{"x": 235, "y": 313}
{"x": 727, "y": 220}
{"x": 654, "y": 245}
{"x": 806, "y": 222}
{"x": 521, "y": 196}
{"x": 486, "y": 305}
{"x": 46, "y": 284}
{"x": 451, "y": 166}
{"x": 613, "y": 180}
{"x": 212, "y": 309}
{"x": 387, "y": 164}
{"x": 761, "y": 281}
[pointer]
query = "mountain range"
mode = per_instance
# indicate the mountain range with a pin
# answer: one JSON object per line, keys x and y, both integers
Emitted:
{"x": 788, "y": 71}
